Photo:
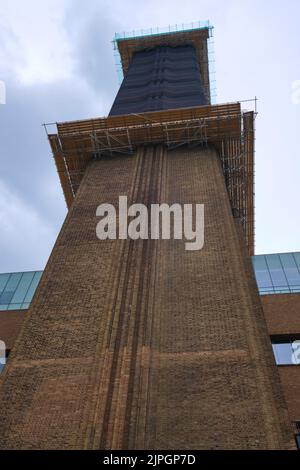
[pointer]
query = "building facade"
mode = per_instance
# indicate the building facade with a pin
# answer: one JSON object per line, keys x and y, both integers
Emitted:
{"x": 139, "y": 343}
{"x": 277, "y": 277}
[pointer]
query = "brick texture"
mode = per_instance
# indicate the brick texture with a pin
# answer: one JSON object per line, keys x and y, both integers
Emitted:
{"x": 282, "y": 313}
{"x": 10, "y": 325}
{"x": 290, "y": 379}
{"x": 141, "y": 344}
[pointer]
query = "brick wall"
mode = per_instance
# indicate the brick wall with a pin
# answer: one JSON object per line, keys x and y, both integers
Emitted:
{"x": 290, "y": 379}
{"x": 282, "y": 313}
{"x": 10, "y": 325}
{"x": 141, "y": 344}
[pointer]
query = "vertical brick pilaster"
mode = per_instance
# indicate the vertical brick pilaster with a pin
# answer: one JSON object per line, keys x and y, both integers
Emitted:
{"x": 142, "y": 344}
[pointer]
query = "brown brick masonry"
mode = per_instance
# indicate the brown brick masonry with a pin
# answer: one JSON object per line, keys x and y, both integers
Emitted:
{"x": 10, "y": 325}
{"x": 141, "y": 344}
{"x": 282, "y": 313}
{"x": 290, "y": 379}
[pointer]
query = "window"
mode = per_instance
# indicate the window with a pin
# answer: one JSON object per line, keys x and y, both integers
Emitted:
{"x": 297, "y": 433}
{"x": 17, "y": 289}
{"x": 3, "y": 356}
{"x": 277, "y": 273}
{"x": 262, "y": 274}
{"x": 286, "y": 351}
{"x": 291, "y": 270}
{"x": 298, "y": 441}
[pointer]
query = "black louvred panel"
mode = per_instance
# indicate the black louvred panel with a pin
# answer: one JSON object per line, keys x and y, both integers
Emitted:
{"x": 161, "y": 78}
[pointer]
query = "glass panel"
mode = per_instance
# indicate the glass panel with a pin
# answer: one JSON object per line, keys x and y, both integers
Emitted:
{"x": 295, "y": 289}
{"x": 283, "y": 353}
{"x": 262, "y": 275}
{"x": 290, "y": 269}
{"x": 14, "y": 306}
{"x": 22, "y": 288}
{"x": 13, "y": 281}
{"x": 10, "y": 288}
{"x": 297, "y": 259}
{"x": 279, "y": 290}
{"x": 276, "y": 271}
{"x": 3, "y": 281}
{"x": 33, "y": 286}
{"x": 17, "y": 289}
{"x": 25, "y": 306}
{"x": 267, "y": 290}
{"x": 6, "y": 297}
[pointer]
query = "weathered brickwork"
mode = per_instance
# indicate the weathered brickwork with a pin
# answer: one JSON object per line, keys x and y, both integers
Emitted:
{"x": 290, "y": 379}
{"x": 141, "y": 344}
{"x": 282, "y": 313}
{"x": 10, "y": 325}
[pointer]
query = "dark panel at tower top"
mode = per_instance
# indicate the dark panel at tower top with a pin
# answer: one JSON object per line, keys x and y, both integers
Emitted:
{"x": 163, "y": 77}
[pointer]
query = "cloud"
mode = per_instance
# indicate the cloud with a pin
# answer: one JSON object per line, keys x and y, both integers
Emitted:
{"x": 26, "y": 236}
{"x": 56, "y": 60}
{"x": 34, "y": 45}
{"x": 27, "y": 166}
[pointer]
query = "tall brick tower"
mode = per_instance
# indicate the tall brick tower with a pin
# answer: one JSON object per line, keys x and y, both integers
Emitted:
{"x": 140, "y": 343}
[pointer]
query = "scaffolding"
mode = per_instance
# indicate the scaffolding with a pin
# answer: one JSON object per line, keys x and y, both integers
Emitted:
{"x": 226, "y": 127}
{"x": 199, "y": 34}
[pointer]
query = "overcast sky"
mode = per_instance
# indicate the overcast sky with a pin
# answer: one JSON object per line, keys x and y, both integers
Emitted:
{"x": 57, "y": 62}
